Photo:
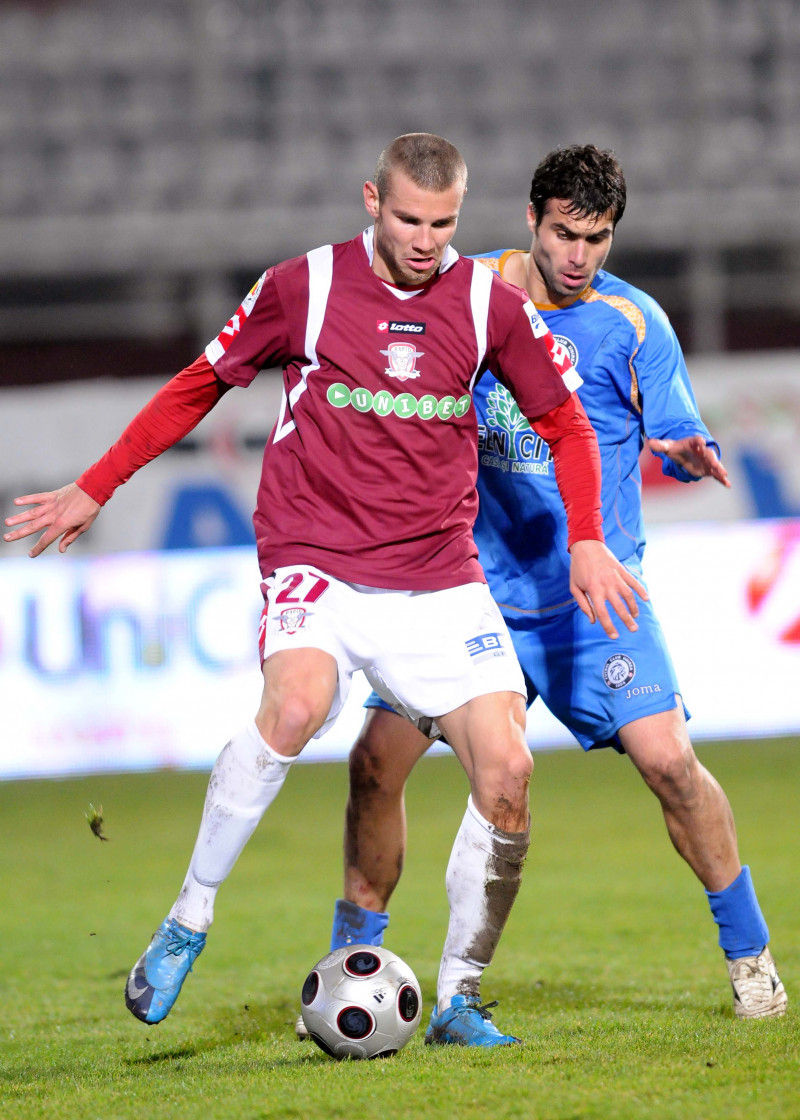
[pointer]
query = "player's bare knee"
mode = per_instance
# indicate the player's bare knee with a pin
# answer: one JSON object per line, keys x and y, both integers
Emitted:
{"x": 288, "y": 727}
{"x": 509, "y": 813}
{"x": 502, "y": 792}
{"x": 675, "y": 776}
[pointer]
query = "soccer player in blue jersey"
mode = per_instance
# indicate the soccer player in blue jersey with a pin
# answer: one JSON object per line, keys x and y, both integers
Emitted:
{"x": 619, "y": 692}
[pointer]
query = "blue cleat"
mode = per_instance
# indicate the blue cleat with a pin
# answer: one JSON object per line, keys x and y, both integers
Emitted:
{"x": 157, "y": 977}
{"x": 466, "y": 1022}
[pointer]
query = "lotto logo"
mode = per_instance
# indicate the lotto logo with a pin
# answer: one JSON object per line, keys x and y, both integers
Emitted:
{"x": 485, "y": 643}
{"x": 398, "y": 326}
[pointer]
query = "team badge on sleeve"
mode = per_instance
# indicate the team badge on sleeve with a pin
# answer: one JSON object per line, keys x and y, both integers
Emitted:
{"x": 220, "y": 344}
{"x": 561, "y": 340}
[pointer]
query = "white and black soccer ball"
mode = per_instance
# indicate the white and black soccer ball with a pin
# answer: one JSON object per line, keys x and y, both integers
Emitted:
{"x": 361, "y": 1002}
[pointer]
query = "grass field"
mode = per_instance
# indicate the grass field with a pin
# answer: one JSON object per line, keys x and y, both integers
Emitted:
{"x": 608, "y": 968}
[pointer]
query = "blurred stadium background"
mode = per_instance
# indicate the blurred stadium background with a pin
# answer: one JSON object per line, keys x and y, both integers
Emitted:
{"x": 157, "y": 156}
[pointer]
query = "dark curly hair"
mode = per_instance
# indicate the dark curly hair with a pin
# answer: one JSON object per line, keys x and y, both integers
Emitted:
{"x": 590, "y": 178}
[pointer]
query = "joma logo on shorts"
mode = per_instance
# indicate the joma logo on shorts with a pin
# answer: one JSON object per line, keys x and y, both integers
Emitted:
{"x": 642, "y": 690}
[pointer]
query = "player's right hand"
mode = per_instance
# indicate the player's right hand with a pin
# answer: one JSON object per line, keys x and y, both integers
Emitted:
{"x": 64, "y": 513}
{"x": 598, "y": 579}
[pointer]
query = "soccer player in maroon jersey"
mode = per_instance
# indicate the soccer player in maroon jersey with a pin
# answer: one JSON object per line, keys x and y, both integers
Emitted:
{"x": 635, "y": 387}
{"x": 363, "y": 525}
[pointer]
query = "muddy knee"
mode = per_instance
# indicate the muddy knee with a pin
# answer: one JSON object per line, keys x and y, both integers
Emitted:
{"x": 501, "y": 791}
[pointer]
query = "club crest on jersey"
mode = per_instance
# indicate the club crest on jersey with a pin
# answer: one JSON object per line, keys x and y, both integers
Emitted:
{"x": 402, "y": 360}
{"x": 618, "y": 671}
{"x": 569, "y": 346}
{"x": 293, "y": 619}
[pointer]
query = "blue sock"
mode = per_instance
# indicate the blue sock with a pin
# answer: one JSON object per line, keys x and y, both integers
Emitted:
{"x": 353, "y": 925}
{"x": 742, "y": 929}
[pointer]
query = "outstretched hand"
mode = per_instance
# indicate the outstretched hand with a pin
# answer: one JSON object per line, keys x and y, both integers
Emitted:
{"x": 64, "y": 513}
{"x": 597, "y": 578}
{"x": 694, "y": 455}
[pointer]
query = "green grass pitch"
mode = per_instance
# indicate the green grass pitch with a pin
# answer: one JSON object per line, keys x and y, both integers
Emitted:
{"x": 609, "y": 967}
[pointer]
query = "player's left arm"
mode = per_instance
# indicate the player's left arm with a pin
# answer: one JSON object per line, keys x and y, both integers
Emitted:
{"x": 675, "y": 432}
{"x": 597, "y": 578}
{"x": 539, "y": 375}
{"x": 695, "y": 455}
{"x": 172, "y": 413}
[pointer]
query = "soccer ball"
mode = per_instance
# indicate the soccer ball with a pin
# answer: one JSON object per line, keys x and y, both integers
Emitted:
{"x": 361, "y": 1002}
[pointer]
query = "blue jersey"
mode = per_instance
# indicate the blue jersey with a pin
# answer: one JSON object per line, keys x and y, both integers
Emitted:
{"x": 635, "y": 383}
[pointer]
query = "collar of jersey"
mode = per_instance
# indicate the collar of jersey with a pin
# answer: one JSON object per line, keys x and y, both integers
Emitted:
{"x": 448, "y": 260}
{"x": 506, "y": 256}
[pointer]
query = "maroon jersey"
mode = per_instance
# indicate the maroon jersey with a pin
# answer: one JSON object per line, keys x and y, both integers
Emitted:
{"x": 370, "y": 470}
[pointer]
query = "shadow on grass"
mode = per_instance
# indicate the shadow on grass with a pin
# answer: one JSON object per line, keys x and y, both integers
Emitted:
{"x": 165, "y": 1056}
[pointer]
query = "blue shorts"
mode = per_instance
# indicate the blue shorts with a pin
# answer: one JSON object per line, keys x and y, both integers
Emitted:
{"x": 592, "y": 683}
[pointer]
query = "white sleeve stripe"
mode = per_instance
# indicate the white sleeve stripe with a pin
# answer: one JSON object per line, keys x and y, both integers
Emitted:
{"x": 572, "y": 379}
{"x": 214, "y": 351}
{"x": 479, "y": 293}
{"x": 320, "y": 278}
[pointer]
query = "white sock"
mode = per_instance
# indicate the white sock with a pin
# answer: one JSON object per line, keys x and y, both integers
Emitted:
{"x": 246, "y": 779}
{"x": 483, "y": 878}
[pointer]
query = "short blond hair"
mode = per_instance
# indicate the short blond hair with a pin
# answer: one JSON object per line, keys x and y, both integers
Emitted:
{"x": 430, "y": 162}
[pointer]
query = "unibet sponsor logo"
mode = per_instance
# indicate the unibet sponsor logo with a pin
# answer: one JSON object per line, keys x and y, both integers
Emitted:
{"x": 404, "y": 405}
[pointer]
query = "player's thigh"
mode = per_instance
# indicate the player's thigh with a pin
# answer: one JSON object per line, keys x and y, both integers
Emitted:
{"x": 443, "y": 648}
{"x": 594, "y": 684}
{"x": 487, "y": 734}
{"x": 659, "y": 747}
{"x": 305, "y": 624}
{"x": 299, "y": 689}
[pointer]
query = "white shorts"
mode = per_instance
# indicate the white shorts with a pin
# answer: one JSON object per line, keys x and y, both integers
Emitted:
{"x": 424, "y": 652}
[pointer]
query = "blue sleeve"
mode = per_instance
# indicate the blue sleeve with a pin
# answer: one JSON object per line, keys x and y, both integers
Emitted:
{"x": 669, "y": 408}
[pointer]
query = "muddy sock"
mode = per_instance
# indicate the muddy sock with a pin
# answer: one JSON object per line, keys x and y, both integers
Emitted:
{"x": 483, "y": 878}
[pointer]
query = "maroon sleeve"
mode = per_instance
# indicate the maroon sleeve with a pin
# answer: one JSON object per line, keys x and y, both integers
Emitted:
{"x": 257, "y": 336}
{"x": 576, "y": 456}
{"x": 170, "y": 415}
{"x": 523, "y": 355}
